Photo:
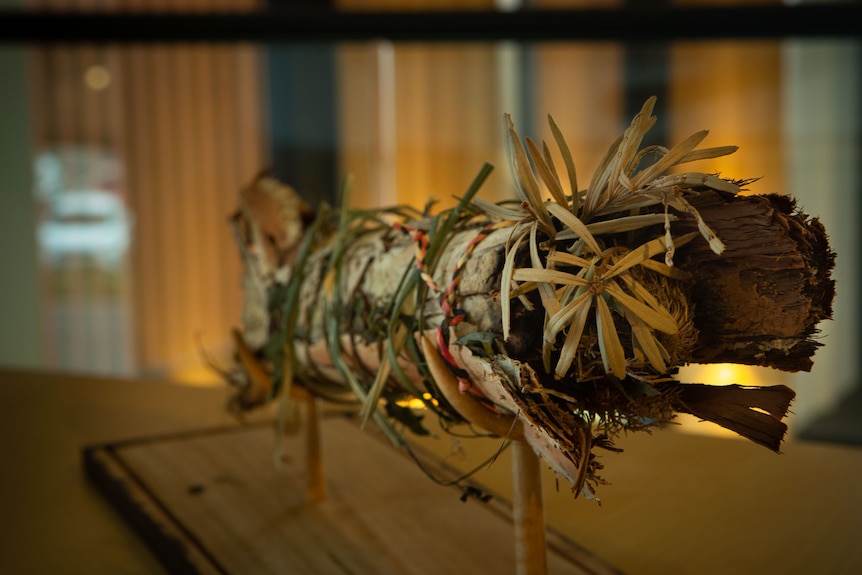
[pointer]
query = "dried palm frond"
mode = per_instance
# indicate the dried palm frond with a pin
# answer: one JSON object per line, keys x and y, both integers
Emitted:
{"x": 621, "y": 193}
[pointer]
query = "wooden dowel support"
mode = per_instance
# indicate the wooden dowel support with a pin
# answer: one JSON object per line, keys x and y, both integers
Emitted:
{"x": 470, "y": 409}
{"x": 313, "y": 450}
{"x": 529, "y": 514}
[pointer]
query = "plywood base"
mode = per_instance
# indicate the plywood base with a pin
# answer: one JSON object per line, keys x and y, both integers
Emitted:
{"x": 219, "y": 502}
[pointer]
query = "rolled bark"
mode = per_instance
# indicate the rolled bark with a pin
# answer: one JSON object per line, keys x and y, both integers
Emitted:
{"x": 760, "y": 301}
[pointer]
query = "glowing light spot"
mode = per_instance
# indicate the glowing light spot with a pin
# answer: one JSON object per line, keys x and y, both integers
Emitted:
{"x": 97, "y": 78}
{"x": 412, "y": 403}
{"x": 722, "y": 374}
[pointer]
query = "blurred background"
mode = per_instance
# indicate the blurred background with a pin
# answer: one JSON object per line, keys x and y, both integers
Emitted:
{"x": 121, "y": 164}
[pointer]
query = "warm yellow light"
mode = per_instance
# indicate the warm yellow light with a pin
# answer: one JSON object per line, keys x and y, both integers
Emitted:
{"x": 722, "y": 374}
{"x": 412, "y": 403}
{"x": 97, "y": 78}
{"x": 196, "y": 375}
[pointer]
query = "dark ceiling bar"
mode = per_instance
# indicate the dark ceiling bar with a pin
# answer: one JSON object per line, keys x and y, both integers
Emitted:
{"x": 283, "y": 26}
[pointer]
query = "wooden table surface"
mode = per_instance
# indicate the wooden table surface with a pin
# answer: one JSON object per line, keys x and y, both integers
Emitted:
{"x": 677, "y": 503}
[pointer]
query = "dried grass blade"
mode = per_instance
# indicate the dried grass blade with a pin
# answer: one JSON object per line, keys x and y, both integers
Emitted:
{"x": 670, "y": 159}
{"x": 715, "y": 244}
{"x": 666, "y": 270}
{"x": 613, "y": 355}
{"x": 656, "y": 318}
{"x": 576, "y": 225}
{"x": 439, "y": 237}
{"x": 708, "y": 154}
{"x": 691, "y": 180}
{"x": 506, "y": 285}
{"x": 549, "y": 177}
{"x": 369, "y": 406}
{"x": 546, "y": 290}
{"x": 625, "y": 183}
{"x": 573, "y": 338}
{"x": 498, "y": 212}
{"x": 629, "y": 204}
{"x": 632, "y": 138}
{"x": 639, "y": 291}
{"x": 568, "y": 160}
{"x": 640, "y": 125}
{"x": 562, "y": 318}
{"x": 526, "y": 180}
{"x": 649, "y": 346}
{"x": 716, "y": 183}
{"x": 568, "y": 259}
{"x": 621, "y": 224}
{"x": 546, "y": 153}
{"x": 596, "y": 192}
{"x": 523, "y": 289}
{"x": 646, "y": 251}
{"x": 546, "y": 276}
{"x": 625, "y": 224}
{"x": 643, "y": 152}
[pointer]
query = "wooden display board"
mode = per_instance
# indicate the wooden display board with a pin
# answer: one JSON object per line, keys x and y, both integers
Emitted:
{"x": 220, "y": 501}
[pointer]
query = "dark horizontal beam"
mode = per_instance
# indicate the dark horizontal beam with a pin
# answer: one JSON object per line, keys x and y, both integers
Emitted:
{"x": 301, "y": 26}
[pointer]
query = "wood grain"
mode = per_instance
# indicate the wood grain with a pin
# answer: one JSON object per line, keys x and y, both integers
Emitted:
{"x": 221, "y": 497}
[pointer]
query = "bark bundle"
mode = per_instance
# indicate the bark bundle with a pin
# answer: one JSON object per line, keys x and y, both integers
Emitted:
{"x": 385, "y": 306}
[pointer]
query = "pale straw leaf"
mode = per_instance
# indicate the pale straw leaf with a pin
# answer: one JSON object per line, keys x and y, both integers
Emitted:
{"x": 670, "y": 159}
{"x": 546, "y": 152}
{"x": 629, "y": 204}
{"x": 546, "y": 291}
{"x": 506, "y": 284}
{"x": 546, "y": 276}
{"x": 637, "y": 255}
{"x": 573, "y": 338}
{"x": 567, "y": 160}
{"x": 569, "y": 259}
{"x": 549, "y": 177}
{"x": 618, "y": 225}
{"x": 528, "y": 185}
{"x": 646, "y": 251}
{"x": 613, "y": 355}
{"x": 668, "y": 239}
{"x": 563, "y": 318}
{"x": 666, "y": 270}
{"x": 498, "y": 212}
{"x": 626, "y": 223}
{"x": 657, "y": 318}
{"x": 645, "y": 340}
{"x": 639, "y": 291}
{"x": 522, "y": 290}
{"x": 632, "y": 138}
{"x": 681, "y": 204}
{"x": 625, "y": 182}
{"x": 720, "y": 184}
{"x": 659, "y": 151}
{"x": 708, "y": 154}
{"x": 692, "y": 180}
{"x": 595, "y": 195}
{"x": 576, "y": 225}
{"x": 564, "y": 294}
{"x": 369, "y": 406}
